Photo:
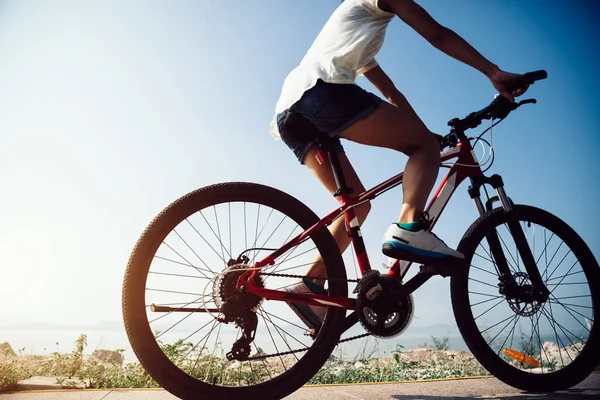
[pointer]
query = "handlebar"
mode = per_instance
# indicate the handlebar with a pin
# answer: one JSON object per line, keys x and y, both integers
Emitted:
{"x": 499, "y": 108}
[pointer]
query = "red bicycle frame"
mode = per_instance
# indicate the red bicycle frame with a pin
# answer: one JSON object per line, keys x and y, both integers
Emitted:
{"x": 464, "y": 167}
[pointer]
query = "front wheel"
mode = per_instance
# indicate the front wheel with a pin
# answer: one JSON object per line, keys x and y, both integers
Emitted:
{"x": 530, "y": 345}
{"x": 183, "y": 271}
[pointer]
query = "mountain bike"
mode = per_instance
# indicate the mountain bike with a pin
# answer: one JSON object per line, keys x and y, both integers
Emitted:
{"x": 206, "y": 308}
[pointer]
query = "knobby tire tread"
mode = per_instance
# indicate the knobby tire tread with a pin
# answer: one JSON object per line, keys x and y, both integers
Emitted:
{"x": 141, "y": 339}
{"x": 587, "y": 360}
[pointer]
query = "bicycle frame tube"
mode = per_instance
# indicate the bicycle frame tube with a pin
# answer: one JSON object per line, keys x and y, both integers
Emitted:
{"x": 464, "y": 167}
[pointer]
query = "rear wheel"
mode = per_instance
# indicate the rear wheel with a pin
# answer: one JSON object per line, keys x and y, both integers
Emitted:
{"x": 174, "y": 289}
{"x": 537, "y": 346}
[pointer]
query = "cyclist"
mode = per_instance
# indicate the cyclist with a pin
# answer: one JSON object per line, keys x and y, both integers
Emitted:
{"x": 321, "y": 93}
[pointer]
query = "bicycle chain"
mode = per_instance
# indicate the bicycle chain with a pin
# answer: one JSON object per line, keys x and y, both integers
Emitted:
{"x": 304, "y": 276}
{"x": 285, "y": 353}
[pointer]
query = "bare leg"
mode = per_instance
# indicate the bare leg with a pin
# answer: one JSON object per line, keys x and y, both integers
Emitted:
{"x": 399, "y": 128}
{"x": 393, "y": 127}
{"x": 338, "y": 229}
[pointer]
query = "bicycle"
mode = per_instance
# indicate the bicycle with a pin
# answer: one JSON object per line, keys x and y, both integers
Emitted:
{"x": 252, "y": 355}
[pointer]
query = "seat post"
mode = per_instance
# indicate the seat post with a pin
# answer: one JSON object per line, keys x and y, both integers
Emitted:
{"x": 338, "y": 174}
{"x": 298, "y": 122}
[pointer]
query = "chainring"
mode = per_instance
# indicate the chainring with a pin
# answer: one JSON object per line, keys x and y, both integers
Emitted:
{"x": 382, "y": 307}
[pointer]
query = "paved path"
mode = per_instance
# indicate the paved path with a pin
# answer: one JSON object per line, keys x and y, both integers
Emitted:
{"x": 460, "y": 389}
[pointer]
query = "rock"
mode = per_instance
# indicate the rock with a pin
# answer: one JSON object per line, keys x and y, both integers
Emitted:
{"x": 6, "y": 350}
{"x": 107, "y": 357}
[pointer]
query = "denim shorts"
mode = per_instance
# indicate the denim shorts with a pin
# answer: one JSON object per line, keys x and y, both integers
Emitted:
{"x": 330, "y": 108}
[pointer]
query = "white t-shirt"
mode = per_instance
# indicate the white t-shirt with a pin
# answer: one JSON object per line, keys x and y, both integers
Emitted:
{"x": 344, "y": 49}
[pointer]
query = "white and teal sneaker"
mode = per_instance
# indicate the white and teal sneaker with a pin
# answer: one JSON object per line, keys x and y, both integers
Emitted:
{"x": 414, "y": 242}
{"x": 312, "y": 316}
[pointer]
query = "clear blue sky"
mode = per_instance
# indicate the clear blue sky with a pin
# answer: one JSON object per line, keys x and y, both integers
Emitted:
{"x": 110, "y": 110}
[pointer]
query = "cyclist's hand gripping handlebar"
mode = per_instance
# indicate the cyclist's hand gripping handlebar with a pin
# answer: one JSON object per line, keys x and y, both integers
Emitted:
{"x": 499, "y": 108}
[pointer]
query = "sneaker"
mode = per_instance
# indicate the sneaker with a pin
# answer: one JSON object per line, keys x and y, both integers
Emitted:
{"x": 312, "y": 316}
{"x": 415, "y": 242}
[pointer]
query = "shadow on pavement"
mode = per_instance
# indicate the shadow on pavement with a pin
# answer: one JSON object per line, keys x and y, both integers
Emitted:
{"x": 562, "y": 395}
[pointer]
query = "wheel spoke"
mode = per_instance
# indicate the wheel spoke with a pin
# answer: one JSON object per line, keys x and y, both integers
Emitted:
{"x": 196, "y": 345}
{"x": 484, "y": 270}
{"x": 192, "y": 250}
{"x": 489, "y": 309}
{"x": 509, "y": 319}
{"x": 189, "y": 264}
{"x": 484, "y": 301}
{"x": 570, "y": 313}
{"x": 279, "y": 330}
{"x": 178, "y": 275}
{"x": 564, "y": 329}
{"x": 564, "y": 276}
{"x": 483, "y": 283}
{"x": 273, "y": 340}
{"x": 553, "y": 326}
{"x": 260, "y": 233}
{"x": 221, "y": 255}
{"x": 572, "y": 266}
{"x": 230, "y": 242}
{"x": 284, "y": 320}
{"x": 498, "y": 323}
{"x": 219, "y": 237}
{"x": 552, "y": 259}
{"x": 511, "y": 334}
{"x": 486, "y": 294}
{"x": 275, "y": 230}
{"x": 277, "y": 265}
{"x": 571, "y": 304}
{"x": 544, "y": 252}
{"x": 289, "y": 253}
{"x": 174, "y": 291}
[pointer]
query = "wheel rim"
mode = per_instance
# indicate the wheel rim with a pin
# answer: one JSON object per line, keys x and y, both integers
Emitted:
{"x": 533, "y": 337}
{"x": 179, "y": 276}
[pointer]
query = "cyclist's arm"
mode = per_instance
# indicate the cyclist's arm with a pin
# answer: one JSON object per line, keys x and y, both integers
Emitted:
{"x": 383, "y": 83}
{"x": 442, "y": 38}
{"x": 386, "y": 87}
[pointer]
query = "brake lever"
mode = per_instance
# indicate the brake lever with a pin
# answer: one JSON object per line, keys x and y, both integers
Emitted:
{"x": 526, "y": 101}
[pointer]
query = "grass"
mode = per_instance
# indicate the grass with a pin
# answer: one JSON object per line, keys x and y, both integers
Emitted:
{"x": 76, "y": 370}
{"x": 11, "y": 372}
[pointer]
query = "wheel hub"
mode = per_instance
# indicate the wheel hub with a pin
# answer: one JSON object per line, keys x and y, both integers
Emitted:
{"x": 520, "y": 294}
{"x": 225, "y": 287}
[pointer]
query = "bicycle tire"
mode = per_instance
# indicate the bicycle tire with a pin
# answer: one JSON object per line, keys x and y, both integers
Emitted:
{"x": 588, "y": 358}
{"x": 145, "y": 347}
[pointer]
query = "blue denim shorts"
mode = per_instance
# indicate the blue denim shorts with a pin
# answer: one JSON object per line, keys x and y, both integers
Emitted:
{"x": 331, "y": 108}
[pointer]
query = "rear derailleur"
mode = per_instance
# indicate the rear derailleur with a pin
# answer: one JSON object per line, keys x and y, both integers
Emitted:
{"x": 247, "y": 321}
{"x": 238, "y": 307}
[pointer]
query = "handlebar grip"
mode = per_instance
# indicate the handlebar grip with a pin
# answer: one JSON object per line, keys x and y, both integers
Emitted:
{"x": 527, "y": 79}
{"x": 536, "y": 76}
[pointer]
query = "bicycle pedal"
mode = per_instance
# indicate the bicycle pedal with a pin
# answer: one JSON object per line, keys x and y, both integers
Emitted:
{"x": 444, "y": 271}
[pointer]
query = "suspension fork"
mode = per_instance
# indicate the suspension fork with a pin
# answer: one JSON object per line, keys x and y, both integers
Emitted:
{"x": 541, "y": 293}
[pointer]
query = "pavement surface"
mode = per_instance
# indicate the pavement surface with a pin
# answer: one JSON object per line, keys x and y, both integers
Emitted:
{"x": 456, "y": 389}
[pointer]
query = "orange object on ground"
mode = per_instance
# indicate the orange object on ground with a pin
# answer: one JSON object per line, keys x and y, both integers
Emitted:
{"x": 524, "y": 358}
